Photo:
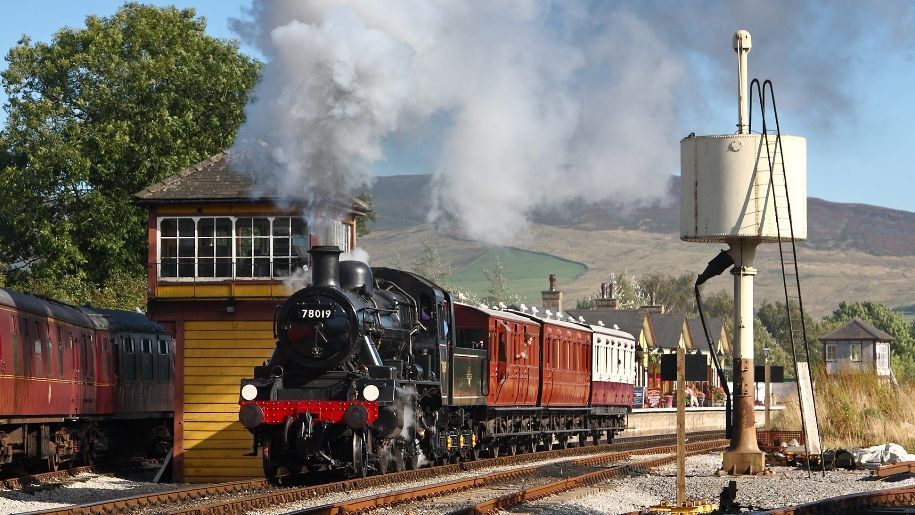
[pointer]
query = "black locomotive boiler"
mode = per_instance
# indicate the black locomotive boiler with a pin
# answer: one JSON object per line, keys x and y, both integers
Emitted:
{"x": 354, "y": 381}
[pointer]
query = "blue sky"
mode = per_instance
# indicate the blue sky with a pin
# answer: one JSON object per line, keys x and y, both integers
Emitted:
{"x": 858, "y": 151}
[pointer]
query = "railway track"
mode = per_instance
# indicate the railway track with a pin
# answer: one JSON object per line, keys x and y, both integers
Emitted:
{"x": 539, "y": 476}
{"x": 22, "y": 482}
{"x": 241, "y": 496}
{"x": 894, "y": 500}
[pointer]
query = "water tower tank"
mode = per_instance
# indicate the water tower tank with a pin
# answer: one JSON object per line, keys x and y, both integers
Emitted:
{"x": 725, "y": 188}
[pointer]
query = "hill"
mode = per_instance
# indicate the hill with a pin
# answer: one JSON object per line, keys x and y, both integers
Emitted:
{"x": 854, "y": 251}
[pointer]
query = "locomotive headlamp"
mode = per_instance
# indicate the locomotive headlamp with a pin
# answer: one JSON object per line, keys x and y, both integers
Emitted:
{"x": 249, "y": 392}
{"x": 370, "y": 392}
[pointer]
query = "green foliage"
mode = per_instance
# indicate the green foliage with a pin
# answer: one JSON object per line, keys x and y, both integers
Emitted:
{"x": 774, "y": 317}
{"x": 675, "y": 293}
{"x": 430, "y": 264}
{"x": 95, "y": 116}
{"x": 362, "y": 222}
{"x": 499, "y": 290}
{"x": 628, "y": 292}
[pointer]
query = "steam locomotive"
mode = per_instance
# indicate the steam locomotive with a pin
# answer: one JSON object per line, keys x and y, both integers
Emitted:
{"x": 378, "y": 370}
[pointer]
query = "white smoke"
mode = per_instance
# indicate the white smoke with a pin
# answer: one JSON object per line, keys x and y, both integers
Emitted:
{"x": 356, "y": 254}
{"x": 543, "y": 103}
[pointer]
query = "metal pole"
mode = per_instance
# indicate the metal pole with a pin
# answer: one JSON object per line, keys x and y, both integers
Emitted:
{"x": 743, "y": 455}
{"x": 681, "y": 426}
{"x": 768, "y": 391}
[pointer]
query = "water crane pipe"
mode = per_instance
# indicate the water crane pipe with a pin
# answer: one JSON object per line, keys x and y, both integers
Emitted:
{"x": 742, "y": 45}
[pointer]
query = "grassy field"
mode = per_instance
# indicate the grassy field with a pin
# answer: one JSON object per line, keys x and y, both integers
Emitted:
{"x": 857, "y": 410}
{"x": 827, "y": 276}
{"x": 527, "y": 272}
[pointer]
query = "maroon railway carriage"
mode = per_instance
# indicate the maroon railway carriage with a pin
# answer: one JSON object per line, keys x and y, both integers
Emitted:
{"x": 78, "y": 382}
{"x": 539, "y": 380}
{"x": 512, "y": 343}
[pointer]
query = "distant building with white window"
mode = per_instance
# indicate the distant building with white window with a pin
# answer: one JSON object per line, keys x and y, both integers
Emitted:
{"x": 857, "y": 346}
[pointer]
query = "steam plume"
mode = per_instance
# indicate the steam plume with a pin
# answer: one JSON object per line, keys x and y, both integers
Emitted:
{"x": 538, "y": 103}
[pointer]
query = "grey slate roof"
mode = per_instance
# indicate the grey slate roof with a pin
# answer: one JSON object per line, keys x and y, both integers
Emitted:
{"x": 215, "y": 179}
{"x": 858, "y": 329}
{"x": 627, "y": 320}
{"x": 698, "y": 335}
{"x": 667, "y": 329}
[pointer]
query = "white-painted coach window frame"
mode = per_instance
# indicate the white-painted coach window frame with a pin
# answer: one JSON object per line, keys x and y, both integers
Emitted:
{"x": 220, "y": 248}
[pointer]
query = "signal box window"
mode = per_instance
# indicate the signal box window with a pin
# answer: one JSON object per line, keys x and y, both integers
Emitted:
{"x": 854, "y": 352}
{"x": 830, "y": 352}
{"x": 231, "y": 247}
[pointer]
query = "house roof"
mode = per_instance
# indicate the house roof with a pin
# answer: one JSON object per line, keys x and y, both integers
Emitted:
{"x": 858, "y": 329}
{"x": 217, "y": 179}
{"x": 630, "y": 321}
{"x": 668, "y": 328}
{"x": 715, "y": 326}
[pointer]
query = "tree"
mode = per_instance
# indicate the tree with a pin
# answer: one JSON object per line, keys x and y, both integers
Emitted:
{"x": 498, "y": 291}
{"x": 95, "y": 116}
{"x": 627, "y": 290}
{"x": 675, "y": 293}
{"x": 774, "y": 317}
{"x": 430, "y": 265}
{"x": 362, "y": 222}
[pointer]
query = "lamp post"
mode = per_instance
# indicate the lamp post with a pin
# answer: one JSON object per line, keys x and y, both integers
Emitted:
{"x": 768, "y": 393}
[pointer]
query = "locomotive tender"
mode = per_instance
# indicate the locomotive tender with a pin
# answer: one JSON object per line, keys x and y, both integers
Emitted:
{"x": 78, "y": 382}
{"x": 378, "y": 370}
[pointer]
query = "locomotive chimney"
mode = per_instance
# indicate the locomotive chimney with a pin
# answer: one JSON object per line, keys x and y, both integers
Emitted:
{"x": 325, "y": 265}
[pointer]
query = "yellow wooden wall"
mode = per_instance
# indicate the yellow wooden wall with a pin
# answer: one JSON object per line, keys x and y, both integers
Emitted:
{"x": 217, "y": 355}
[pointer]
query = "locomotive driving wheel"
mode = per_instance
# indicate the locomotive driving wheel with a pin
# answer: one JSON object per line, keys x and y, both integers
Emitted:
{"x": 271, "y": 469}
{"x": 397, "y": 458}
{"x": 360, "y": 454}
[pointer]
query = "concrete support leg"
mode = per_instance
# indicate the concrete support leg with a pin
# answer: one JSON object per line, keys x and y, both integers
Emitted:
{"x": 743, "y": 455}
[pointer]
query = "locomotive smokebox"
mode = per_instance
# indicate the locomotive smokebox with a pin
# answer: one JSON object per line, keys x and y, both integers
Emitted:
{"x": 325, "y": 265}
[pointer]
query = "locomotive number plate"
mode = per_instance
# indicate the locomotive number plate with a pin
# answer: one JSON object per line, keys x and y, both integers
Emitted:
{"x": 315, "y": 312}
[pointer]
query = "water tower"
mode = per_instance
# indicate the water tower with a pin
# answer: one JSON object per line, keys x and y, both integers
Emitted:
{"x": 727, "y": 197}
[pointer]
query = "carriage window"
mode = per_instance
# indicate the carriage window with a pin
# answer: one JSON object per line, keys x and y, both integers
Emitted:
{"x": 470, "y": 338}
{"x": 129, "y": 358}
{"x": 146, "y": 360}
{"x": 36, "y": 356}
{"x": 503, "y": 352}
{"x": 60, "y": 359}
{"x": 164, "y": 365}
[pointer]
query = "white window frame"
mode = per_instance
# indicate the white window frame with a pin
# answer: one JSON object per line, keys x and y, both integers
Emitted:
{"x": 234, "y": 247}
{"x": 835, "y": 349}
{"x": 851, "y": 354}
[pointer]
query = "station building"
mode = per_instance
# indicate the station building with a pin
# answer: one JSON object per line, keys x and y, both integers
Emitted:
{"x": 858, "y": 346}
{"x": 223, "y": 253}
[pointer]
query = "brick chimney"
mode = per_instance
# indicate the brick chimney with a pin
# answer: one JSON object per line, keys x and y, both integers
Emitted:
{"x": 607, "y": 298}
{"x": 654, "y": 307}
{"x": 552, "y": 298}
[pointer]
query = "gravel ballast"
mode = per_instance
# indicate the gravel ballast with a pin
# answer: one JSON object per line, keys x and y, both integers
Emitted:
{"x": 787, "y": 486}
{"x": 82, "y": 489}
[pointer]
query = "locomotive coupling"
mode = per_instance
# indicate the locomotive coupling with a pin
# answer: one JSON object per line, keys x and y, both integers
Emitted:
{"x": 251, "y": 416}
